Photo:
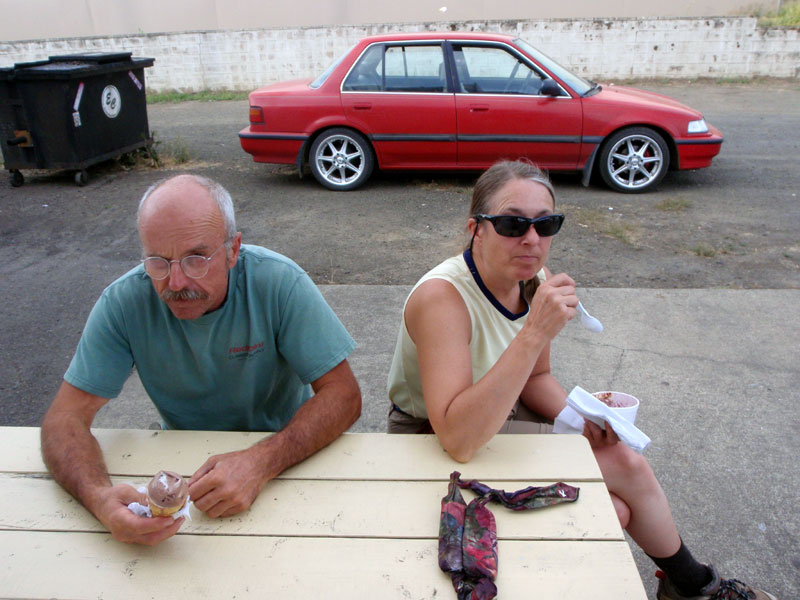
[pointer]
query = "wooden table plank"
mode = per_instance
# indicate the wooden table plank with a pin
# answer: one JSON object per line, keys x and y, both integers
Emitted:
{"x": 390, "y": 509}
{"x": 381, "y": 456}
{"x": 91, "y": 565}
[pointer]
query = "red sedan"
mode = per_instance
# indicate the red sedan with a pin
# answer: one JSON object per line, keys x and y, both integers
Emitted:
{"x": 462, "y": 101}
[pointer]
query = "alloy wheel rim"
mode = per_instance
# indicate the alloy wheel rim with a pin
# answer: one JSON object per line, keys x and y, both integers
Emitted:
{"x": 635, "y": 161}
{"x": 340, "y": 160}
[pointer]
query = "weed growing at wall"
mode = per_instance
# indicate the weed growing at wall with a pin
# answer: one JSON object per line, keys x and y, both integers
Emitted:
{"x": 787, "y": 15}
{"x": 207, "y": 96}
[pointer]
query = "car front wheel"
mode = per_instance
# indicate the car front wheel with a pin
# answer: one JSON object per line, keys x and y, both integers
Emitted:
{"x": 634, "y": 160}
{"x": 341, "y": 159}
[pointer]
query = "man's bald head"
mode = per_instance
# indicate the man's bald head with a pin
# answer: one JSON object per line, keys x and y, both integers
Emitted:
{"x": 172, "y": 189}
{"x": 189, "y": 216}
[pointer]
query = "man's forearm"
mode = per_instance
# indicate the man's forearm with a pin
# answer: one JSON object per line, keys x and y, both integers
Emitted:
{"x": 74, "y": 457}
{"x": 323, "y": 418}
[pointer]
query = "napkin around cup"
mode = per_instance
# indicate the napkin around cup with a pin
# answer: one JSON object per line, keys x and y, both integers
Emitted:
{"x": 582, "y": 405}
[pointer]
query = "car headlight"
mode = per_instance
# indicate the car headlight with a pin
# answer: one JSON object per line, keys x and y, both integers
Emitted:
{"x": 698, "y": 126}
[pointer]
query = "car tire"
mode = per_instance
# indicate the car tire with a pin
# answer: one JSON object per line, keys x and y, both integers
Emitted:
{"x": 634, "y": 160}
{"x": 341, "y": 159}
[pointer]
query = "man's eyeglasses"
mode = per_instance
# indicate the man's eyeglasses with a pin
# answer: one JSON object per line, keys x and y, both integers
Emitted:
{"x": 514, "y": 226}
{"x": 194, "y": 266}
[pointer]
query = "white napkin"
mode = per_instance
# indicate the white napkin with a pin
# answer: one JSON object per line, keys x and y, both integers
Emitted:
{"x": 143, "y": 510}
{"x": 582, "y": 405}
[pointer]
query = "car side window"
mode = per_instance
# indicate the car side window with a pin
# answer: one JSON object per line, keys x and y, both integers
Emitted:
{"x": 493, "y": 70}
{"x": 367, "y": 74}
{"x": 415, "y": 69}
{"x": 399, "y": 68}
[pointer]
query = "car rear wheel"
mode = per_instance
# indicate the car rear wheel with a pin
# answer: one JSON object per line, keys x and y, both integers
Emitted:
{"x": 634, "y": 160}
{"x": 341, "y": 159}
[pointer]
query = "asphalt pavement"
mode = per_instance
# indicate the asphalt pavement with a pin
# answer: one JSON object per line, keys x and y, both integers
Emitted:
{"x": 716, "y": 371}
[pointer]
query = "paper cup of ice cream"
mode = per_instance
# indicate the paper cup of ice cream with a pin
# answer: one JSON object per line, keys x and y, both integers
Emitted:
{"x": 625, "y": 405}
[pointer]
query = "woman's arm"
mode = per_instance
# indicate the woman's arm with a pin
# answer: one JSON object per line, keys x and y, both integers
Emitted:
{"x": 545, "y": 396}
{"x": 542, "y": 392}
{"x": 466, "y": 415}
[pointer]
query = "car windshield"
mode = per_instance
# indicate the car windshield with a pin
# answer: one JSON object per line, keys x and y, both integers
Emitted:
{"x": 327, "y": 72}
{"x": 577, "y": 83}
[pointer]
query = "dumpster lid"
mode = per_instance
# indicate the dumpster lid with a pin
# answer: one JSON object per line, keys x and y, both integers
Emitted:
{"x": 68, "y": 66}
{"x": 92, "y": 57}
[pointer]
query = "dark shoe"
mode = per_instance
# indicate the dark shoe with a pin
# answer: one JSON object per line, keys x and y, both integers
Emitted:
{"x": 718, "y": 589}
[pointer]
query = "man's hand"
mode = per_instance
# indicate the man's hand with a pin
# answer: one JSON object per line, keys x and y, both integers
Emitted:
{"x": 598, "y": 437}
{"x": 228, "y": 483}
{"x": 112, "y": 510}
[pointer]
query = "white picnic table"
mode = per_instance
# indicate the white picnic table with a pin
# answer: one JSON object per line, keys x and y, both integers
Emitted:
{"x": 359, "y": 519}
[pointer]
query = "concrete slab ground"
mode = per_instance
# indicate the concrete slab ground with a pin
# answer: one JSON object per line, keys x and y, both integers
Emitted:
{"x": 717, "y": 375}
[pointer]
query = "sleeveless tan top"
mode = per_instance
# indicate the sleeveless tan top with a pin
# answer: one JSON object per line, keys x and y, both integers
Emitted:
{"x": 493, "y": 328}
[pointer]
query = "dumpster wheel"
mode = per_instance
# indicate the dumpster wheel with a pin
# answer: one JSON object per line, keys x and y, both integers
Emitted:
{"x": 81, "y": 177}
{"x": 17, "y": 178}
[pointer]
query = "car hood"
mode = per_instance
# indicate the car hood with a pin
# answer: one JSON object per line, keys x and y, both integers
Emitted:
{"x": 285, "y": 87}
{"x": 642, "y": 98}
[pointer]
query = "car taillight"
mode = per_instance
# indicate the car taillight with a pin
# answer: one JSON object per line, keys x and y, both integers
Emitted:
{"x": 256, "y": 114}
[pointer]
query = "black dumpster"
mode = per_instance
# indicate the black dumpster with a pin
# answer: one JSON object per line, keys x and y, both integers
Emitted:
{"x": 72, "y": 111}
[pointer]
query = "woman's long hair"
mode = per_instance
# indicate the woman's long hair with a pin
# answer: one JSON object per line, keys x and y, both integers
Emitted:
{"x": 495, "y": 178}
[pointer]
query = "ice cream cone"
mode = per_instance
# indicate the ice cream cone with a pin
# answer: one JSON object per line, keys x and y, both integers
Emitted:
{"x": 166, "y": 493}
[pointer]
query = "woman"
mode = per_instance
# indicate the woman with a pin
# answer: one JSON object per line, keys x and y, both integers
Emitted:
{"x": 473, "y": 359}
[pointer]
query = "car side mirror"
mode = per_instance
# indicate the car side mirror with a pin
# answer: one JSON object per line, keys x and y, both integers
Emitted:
{"x": 550, "y": 88}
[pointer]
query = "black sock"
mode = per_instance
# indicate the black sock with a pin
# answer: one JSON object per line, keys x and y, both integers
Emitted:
{"x": 688, "y": 575}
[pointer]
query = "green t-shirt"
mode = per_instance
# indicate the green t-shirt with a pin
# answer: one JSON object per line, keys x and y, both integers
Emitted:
{"x": 243, "y": 367}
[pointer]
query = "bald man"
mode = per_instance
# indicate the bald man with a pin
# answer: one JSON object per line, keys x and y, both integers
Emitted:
{"x": 224, "y": 336}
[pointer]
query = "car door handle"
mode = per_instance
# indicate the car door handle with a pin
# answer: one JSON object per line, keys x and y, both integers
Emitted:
{"x": 362, "y": 106}
{"x": 478, "y": 107}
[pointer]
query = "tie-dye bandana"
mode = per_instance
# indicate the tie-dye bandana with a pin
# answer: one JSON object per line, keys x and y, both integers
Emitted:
{"x": 468, "y": 533}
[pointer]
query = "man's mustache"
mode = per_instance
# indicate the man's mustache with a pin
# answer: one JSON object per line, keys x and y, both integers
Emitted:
{"x": 183, "y": 294}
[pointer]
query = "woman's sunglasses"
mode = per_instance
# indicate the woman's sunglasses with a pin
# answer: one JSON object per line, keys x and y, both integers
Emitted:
{"x": 513, "y": 226}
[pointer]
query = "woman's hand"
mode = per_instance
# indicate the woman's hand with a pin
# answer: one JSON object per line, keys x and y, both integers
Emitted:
{"x": 598, "y": 437}
{"x": 553, "y": 305}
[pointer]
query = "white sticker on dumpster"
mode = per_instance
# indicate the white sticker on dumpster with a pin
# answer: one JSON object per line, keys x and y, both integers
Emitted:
{"x": 111, "y": 101}
{"x": 135, "y": 80}
{"x": 77, "y": 104}
{"x": 76, "y": 116}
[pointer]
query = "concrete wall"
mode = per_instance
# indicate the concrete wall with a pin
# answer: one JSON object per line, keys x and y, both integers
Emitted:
{"x": 595, "y": 48}
{"x": 43, "y": 19}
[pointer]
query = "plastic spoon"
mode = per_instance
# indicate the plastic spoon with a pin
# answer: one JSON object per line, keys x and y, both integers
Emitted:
{"x": 588, "y": 320}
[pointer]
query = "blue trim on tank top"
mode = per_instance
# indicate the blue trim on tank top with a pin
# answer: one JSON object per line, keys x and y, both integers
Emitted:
{"x": 489, "y": 296}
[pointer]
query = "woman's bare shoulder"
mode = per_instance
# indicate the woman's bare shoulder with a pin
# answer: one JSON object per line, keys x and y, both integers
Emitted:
{"x": 436, "y": 289}
{"x": 433, "y": 304}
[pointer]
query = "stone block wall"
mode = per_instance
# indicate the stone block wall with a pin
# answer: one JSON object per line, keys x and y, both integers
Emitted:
{"x": 598, "y": 49}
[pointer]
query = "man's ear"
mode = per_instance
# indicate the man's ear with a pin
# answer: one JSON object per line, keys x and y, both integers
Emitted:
{"x": 236, "y": 245}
